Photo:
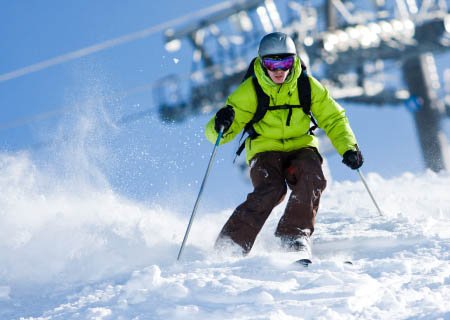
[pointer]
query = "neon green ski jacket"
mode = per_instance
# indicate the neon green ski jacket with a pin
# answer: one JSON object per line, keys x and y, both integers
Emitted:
{"x": 274, "y": 133}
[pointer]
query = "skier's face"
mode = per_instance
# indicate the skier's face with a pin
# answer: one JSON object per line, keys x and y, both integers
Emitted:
{"x": 278, "y": 66}
{"x": 278, "y": 76}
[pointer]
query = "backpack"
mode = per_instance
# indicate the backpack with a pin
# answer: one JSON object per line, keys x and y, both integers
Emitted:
{"x": 304, "y": 94}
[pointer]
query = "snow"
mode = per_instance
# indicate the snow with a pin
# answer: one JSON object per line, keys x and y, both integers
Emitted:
{"x": 81, "y": 251}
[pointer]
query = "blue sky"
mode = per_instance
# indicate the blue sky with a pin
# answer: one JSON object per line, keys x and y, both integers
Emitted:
{"x": 146, "y": 159}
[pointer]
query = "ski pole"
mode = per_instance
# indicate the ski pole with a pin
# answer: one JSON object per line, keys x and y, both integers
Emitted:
{"x": 368, "y": 190}
{"x": 219, "y": 137}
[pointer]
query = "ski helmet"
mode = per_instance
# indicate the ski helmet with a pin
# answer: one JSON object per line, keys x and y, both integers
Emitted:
{"x": 276, "y": 43}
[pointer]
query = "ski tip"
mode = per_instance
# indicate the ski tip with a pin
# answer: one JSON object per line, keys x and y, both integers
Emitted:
{"x": 304, "y": 262}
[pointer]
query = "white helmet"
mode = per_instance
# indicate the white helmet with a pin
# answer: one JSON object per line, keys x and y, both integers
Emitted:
{"x": 276, "y": 43}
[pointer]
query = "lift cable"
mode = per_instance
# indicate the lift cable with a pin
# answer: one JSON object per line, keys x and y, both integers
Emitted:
{"x": 113, "y": 42}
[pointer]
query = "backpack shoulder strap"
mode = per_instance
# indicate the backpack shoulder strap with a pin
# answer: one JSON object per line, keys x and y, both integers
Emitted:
{"x": 263, "y": 101}
{"x": 250, "y": 70}
{"x": 304, "y": 90}
{"x": 304, "y": 95}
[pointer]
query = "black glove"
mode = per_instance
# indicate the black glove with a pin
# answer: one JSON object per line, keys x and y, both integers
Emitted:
{"x": 224, "y": 118}
{"x": 353, "y": 159}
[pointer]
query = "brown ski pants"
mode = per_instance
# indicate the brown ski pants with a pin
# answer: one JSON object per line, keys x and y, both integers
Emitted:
{"x": 271, "y": 173}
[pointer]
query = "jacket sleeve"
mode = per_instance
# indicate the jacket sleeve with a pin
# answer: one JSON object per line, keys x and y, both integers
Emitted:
{"x": 243, "y": 101}
{"x": 331, "y": 118}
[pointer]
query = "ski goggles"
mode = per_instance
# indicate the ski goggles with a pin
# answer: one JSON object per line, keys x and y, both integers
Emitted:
{"x": 278, "y": 63}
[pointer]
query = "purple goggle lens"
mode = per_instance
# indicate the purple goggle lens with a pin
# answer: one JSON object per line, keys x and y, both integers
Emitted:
{"x": 273, "y": 64}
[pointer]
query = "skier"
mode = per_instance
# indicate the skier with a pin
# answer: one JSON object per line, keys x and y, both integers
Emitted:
{"x": 281, "y": 149}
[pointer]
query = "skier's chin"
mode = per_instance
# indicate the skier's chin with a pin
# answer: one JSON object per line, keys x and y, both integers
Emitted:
{"x": 278, "y": 80}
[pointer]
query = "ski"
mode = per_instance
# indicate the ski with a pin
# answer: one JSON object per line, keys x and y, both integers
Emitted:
{"x": 304, "y": 262}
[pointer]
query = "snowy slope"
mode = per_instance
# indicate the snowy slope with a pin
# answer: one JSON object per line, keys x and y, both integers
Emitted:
{"x": 87, "y": 253}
